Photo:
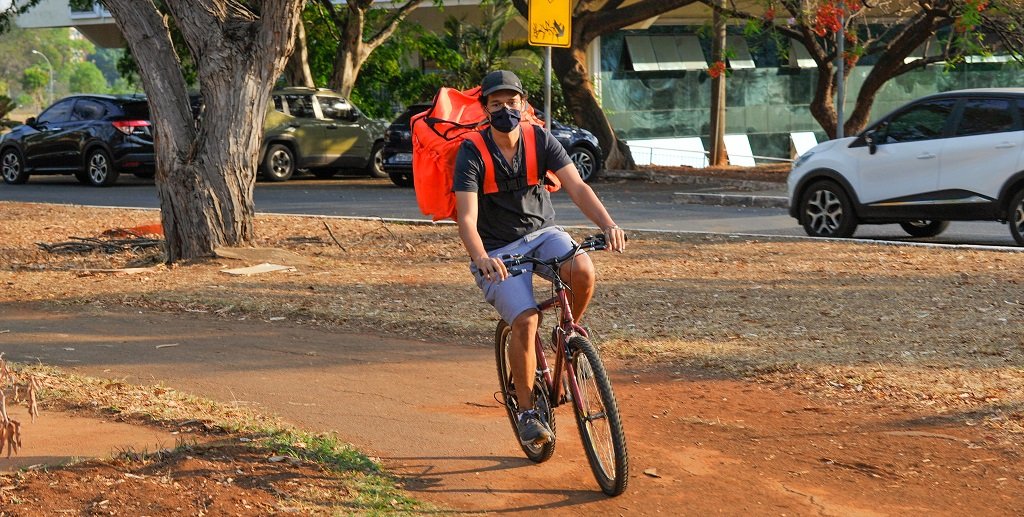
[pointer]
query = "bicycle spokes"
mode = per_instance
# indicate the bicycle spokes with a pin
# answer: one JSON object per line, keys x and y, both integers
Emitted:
{"x": 595, "y": 415}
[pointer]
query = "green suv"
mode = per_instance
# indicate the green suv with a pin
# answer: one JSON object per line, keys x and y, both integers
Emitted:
{"x": 319, "y": 130}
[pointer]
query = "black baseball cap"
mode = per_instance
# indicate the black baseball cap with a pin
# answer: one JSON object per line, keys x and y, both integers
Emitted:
{"x": 500, "y": 80}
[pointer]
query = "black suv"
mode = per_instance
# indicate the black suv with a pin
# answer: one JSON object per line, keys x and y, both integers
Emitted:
{"x": 94, "y": 137}
{"x": 398, "y": 147}
{"x": 581, "y": 145}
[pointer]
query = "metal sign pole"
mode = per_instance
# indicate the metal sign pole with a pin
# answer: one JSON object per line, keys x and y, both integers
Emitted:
{"x": 549, "y": 25}
{"x": 547, "y": 89}
{"x": 841, "y": 70}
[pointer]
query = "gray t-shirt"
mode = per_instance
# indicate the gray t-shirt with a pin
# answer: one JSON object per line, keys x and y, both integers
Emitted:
{"x": 504, "y": 217}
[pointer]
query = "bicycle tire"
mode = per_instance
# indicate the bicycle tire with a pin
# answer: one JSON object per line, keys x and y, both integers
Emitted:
{"x": 541, "y": 401}
{"x": 597, "y": 417}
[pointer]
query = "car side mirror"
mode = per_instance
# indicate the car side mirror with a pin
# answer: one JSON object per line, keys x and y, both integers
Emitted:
{"x": 31, "y": 121}
{"x": 352, "y": 115}
{"x": 870, "y": 139}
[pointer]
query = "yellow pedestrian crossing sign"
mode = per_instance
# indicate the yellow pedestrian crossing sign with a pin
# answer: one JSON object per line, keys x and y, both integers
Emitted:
{"x": 550, "y": 23}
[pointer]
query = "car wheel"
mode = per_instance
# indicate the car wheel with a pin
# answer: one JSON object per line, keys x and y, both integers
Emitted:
{"x": 586, "y": 162}
{"x": 402, "y": 179}
{"x": 99, "y": 169}
{"x": 375, "y": 167}
{"x": 278, "y": 164}
{"x": 324, "y": 174}
{"x": 1016, "y": 218}
{"x": 924, "y": 228}
{"x": 826, "y": 211}
{"x": 13, "y": 167}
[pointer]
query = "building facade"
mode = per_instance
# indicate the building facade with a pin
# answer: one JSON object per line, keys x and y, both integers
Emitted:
{"x": 652, "y": 81}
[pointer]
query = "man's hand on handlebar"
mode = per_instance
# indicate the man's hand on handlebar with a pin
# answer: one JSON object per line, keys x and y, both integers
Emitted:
{"x": 491, "y": 268}
{"x": 616, "y": 238}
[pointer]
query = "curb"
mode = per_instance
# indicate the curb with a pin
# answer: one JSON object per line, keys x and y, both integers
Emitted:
{"x": 691, "y": 198}
{"x": 692, "y": 179}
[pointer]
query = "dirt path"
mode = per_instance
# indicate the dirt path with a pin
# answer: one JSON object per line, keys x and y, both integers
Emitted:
{"x": 697, "y": 444}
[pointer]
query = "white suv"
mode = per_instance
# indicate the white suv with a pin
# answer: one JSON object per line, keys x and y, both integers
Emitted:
{"x": 953, "y": 156}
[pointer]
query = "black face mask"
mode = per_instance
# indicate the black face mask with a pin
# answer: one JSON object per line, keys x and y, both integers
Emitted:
{"x": 505, "y": 120}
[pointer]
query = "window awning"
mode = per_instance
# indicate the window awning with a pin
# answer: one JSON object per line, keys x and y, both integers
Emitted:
{"x": 737, "y": 46}
{"x": 799, "y": 56}
{"x": 650, "y": 53}
{"x": 932, "y": 47}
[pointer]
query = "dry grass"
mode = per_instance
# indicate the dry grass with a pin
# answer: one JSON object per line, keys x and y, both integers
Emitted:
{"x": 933, "y": 327}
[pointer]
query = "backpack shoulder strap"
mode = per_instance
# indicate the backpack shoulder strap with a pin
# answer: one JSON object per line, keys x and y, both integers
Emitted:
{"x": 529, "y": 136}
{"x": 551, "y": 182}
{"x": 490, "y": 183}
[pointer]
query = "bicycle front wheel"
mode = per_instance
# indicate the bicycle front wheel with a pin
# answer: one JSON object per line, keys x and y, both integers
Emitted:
{"x": 541, "y": 402}
{"x": 597, "y": 416}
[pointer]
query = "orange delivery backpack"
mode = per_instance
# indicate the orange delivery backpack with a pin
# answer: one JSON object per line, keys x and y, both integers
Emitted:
{"x": 437, "y": 134}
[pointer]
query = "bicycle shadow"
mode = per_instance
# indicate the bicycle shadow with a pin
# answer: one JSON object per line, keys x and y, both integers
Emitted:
{"x": 422, "y": 474}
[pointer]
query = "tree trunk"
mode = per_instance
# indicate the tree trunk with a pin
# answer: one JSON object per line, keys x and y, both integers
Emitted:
{"x": 297, "y": 72}
{"x": 717, "y": 123}
{"x": 206, "y": 169}
{"x": 891, "y": 64}
{"x": 569, "y": 64}
{"x": 823, "y": 106}
{"x": 351, "y": 51}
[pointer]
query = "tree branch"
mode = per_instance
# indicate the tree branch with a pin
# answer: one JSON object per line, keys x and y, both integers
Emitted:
{"x": 392, "y": 24}
{"x": 605, "y": 21}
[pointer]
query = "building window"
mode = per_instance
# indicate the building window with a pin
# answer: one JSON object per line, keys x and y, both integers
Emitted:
{"x": 88, "y": 9}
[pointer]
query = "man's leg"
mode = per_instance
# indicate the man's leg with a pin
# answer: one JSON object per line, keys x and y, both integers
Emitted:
{"x": 522, "y": 358}
{"x": 580, "y": 275}
{"x": 523, "y": 361}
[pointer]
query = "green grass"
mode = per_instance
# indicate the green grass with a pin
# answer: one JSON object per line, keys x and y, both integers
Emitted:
{"x": 375, "y": 491}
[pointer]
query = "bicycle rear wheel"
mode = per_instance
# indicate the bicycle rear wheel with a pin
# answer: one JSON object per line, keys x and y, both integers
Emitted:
{"x": 597, "y": 416}
{"x": 541, "y": 402}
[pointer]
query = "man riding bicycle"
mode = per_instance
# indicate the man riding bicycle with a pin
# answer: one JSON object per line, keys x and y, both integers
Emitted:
{"x": 504, "y": 208}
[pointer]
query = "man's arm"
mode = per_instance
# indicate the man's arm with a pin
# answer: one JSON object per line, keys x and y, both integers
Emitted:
{"x": 490, "y": 268}
{"x": 591, "y": 206}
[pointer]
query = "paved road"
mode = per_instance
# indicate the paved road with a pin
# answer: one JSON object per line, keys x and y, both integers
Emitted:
{"x": 635, "y": 204}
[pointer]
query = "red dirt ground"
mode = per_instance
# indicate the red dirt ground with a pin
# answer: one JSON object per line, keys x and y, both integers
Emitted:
{"x": 698, "y": 444}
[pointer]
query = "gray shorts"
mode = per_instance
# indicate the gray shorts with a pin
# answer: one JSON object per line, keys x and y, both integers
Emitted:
{"x": 514, "y": 295}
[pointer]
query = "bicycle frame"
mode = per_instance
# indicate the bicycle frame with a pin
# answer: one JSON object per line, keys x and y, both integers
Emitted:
{"x": 567, "y": 325}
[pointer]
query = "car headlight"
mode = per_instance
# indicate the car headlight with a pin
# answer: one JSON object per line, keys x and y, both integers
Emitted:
{"x": 802, "y": 159}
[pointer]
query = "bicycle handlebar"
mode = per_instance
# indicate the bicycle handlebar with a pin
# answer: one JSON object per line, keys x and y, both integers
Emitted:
{"x": 590, "y": 243}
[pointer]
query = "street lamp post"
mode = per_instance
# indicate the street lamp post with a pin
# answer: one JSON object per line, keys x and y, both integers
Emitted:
{"x": 48, "y": 65}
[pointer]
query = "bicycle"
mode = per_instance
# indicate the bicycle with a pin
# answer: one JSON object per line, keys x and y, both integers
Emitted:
{"x": 579, "y": 377}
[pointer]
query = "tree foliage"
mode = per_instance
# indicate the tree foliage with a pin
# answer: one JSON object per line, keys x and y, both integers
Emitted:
{"x": 886, "y": 32}
{"x": 56, "y": 44}
{"x": 466, "y": 52}
{"x": 86, "y": 77}
{"x": 358, "y": 27}
{"x": 388, "y": 81}
{"x": 34, "y": 79}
